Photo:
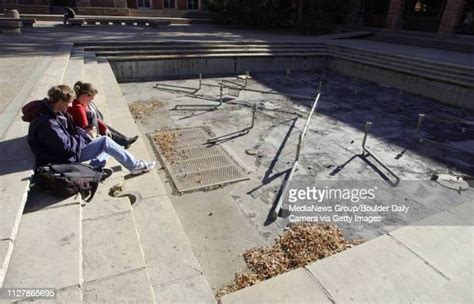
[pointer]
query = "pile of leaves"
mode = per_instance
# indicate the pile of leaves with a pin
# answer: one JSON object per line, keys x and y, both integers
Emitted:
{"x": 167, "y": 142}
{"x": 299, "y": 246}
{"x": 141, "y": 110}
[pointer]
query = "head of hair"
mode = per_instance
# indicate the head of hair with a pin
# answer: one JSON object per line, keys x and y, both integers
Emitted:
{"x": 60, "y": 92}
{"x": 85, "y": 88}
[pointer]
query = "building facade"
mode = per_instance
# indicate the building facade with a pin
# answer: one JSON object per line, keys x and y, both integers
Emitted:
{"x": 165, "y": 8}
{"x": 441, "y": 16}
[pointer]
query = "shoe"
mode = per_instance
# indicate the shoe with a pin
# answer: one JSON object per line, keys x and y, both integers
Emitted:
{"x": 130, "y": 142}
{"x": 143, "y": 167}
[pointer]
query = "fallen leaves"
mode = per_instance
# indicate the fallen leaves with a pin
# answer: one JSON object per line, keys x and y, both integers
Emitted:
{"x": 140, "y": 110}
{"x": 299, "y": 246}
{"x": 167, "y": 142}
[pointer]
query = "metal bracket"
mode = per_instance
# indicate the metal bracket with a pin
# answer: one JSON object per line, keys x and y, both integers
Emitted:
{"x": 366, "y": 152}
{"x": 231, "y": 135}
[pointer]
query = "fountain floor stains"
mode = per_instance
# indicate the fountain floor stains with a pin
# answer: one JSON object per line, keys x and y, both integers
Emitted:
{"x": 223, "y": 223}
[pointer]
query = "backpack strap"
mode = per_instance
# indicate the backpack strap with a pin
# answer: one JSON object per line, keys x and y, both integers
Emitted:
{"x": 95, "y": 186}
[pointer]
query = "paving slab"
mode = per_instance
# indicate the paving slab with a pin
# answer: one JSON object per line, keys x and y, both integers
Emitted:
{"x": 449, "y": 249}
{"x": 40, "y": 200}
{"x": 458, "y": 290}
{"x": 14, "y": 186}
{"x": 148, "y": 184}
{"x": 375, "y": 271}
{"x": 6, "y": 248}
{"x": 103, "y": 204}
{"x": 168, "y": 253}
{"x": 110, "y": 246}
{"x": 47, "y": 249}
{"x": 71, "y": 295}
{"x": 193, "y": 290}
{"x": 131, "y": 287}
{"x": 296, "y": 286}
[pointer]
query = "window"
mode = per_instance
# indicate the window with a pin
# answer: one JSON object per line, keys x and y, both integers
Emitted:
{"x": 168, "y": 4}
{"x": 144, "y": 3}
{"x": 193, "y": 4}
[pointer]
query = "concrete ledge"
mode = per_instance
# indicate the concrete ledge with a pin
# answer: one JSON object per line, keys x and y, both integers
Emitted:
{"x": 76, "y": 21}
{"x": 375, "y": 271}
{"x": 296, "y": 286}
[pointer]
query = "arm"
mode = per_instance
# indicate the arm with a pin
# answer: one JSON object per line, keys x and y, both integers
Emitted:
{"x": 59, "y": 141}
{"x": 102, "y": 127}
{"x": 79, "y": 116}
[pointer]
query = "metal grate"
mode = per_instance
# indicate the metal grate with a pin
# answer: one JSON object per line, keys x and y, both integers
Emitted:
{"x": 191, "y": 163}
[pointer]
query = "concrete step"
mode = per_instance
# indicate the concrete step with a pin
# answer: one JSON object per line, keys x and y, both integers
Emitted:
{"x": 17, "y": 161}
{"x": 48, "y": 245}
{"x": 410, "y": 69}
{"x": 106, "y": 45}
{"x": 174, "y": 272}
{"x": 431, "y": 43}
{"x": 113, "y": 263}
{"x": 423, "y": 63}
{"x": 209, "y": 51}
{"x": 75, "y": 68}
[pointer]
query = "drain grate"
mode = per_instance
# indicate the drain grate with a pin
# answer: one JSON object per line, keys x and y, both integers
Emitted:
{"x": 191, "y": 163}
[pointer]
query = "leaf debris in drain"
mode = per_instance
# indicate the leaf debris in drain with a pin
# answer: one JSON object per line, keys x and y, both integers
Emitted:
{"x": 167, "y": 143}
{"x": 299, "y": 246}
{"x": 140, "y": 110}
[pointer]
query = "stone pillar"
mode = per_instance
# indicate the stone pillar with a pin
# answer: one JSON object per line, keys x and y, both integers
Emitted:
{"x": 451, "y": 16}
{"x": 395, "y": 14}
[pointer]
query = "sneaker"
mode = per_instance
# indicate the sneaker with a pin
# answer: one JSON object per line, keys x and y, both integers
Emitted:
{"x": 143, "y": 167}
{"x": 130, "y": 142}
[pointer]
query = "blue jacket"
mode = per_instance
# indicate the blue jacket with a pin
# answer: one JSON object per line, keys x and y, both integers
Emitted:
{"x": 54, "y": 138}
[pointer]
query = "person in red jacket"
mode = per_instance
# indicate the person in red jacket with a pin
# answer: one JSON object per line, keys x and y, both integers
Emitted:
{"x": 87, "y": 116}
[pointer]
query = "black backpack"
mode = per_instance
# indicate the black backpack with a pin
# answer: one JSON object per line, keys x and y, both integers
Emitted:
{"x": 68, "y": 179}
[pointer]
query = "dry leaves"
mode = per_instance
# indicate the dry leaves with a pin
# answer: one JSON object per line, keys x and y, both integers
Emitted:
{"x": 301, "y": 245}
{"x": 167, "y": 142}
{"x": 141, "y": 110}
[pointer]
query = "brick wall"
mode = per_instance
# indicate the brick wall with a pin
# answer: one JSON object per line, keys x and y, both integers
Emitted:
{"x": 395, "y": 14}
{"x": 451, "y": 16}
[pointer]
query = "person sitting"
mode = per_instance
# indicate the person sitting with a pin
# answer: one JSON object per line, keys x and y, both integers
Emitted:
{"x": 69, "y": 13}
{"x": 87, "y": 116}
{"x": 54, "y": 138}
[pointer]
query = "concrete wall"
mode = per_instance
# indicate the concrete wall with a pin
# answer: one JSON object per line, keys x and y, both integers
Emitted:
{"x": 142, "y": 70}
{"x": 450, "y": 94}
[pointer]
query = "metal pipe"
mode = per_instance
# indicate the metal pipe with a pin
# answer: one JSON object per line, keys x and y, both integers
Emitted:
{"x": 299, "y": 146}
{"x": 421, "y": 116}
{"x": 236, "y": 133}
{"x": 366, "y": 152}
{"x": 214, "y": 107}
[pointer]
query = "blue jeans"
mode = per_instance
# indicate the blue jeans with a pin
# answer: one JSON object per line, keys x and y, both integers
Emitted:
{"x": 100, "y": 148}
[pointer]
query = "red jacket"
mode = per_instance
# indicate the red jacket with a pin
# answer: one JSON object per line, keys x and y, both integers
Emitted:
{"x": 78, "y": 113}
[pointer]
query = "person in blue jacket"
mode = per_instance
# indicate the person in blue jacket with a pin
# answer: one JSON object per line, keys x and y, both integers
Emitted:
{"x": 54, "y": 138}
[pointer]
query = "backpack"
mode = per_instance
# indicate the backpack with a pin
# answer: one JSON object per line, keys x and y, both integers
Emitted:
{"x": 68, "y": 179}
{"x": 32, "y": 110}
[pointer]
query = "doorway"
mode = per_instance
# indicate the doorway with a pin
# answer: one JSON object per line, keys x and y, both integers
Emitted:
{"x": 423, "y": 15}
